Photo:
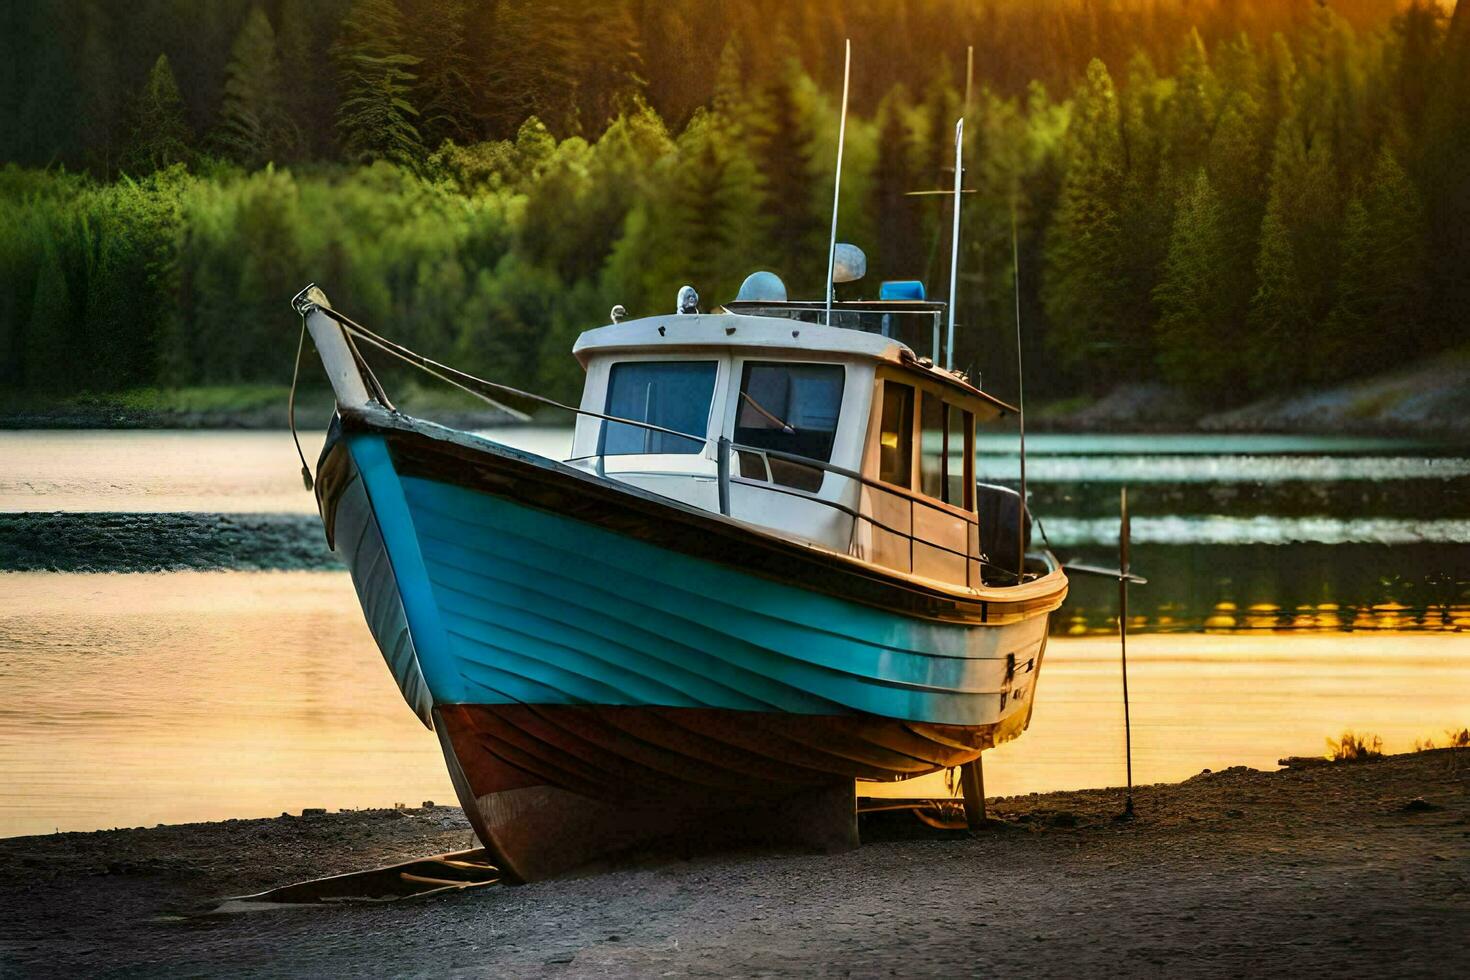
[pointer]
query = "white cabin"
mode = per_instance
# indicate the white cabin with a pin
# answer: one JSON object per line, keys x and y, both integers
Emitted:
{"x": 889, "y": 437}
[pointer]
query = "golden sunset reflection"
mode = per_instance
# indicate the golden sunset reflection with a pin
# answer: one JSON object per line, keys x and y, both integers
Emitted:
{"x": 1228, "y": 617}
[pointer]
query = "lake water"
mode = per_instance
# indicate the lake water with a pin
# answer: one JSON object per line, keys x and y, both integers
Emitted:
{"x": 1299, "y": 587}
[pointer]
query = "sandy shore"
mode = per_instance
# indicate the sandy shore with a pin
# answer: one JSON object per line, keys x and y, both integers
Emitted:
{"x": 1336, "y": 870}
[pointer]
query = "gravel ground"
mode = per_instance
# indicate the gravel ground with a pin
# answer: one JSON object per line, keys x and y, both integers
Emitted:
{"x": 1326, "y": 871}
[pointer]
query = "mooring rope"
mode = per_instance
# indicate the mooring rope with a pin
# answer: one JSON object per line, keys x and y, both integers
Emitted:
{"x": 291, "y": 406}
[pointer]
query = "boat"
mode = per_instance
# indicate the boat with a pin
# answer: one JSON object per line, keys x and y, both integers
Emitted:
{"x": 766, "y": 572}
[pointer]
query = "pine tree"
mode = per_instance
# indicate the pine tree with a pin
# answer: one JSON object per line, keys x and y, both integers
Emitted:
{"x": 1196, "y": 333}
{"x": 611, "y": 58}
{"x": 305, "y": 89}
{"x": 729, "y": 95}
{"x": 783, "y": 147}
{"x": 675, "y": 80}
{"x": 443, "y": 90}
{"x": 1084, "y": 291}
{"x": 530, "y": 67}
{"x": 1236, "y": 169}
{"x": 1238, "y": 68}
{"x": 704, "y": 225}
{"x": 1279, "y": 82}
{"x": 1380, "y": 310}
{"x": 376, "y": 119}
{"x": 253, "y": 127}
{"x": 1190, "y": 117}
{"x": 160, "y": 134}
{"x": 1145, "y": 207}
{"x": 1280, "y": 317}
{"x": 1297, "y": 257}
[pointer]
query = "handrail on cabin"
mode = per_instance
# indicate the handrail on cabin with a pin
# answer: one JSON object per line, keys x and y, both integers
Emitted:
{"x": 913, "y": 499}
{"x": 724, "y": 446}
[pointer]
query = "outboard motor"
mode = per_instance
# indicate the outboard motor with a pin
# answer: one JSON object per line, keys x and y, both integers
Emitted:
{"x": 1001, "y": 515}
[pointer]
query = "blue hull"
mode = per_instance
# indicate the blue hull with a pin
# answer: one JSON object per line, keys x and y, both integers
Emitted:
{"x": 506, "y": 604}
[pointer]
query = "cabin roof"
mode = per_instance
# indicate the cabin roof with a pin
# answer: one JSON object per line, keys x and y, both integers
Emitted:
{"x": 731, "y": 330}
{"x": 777, "y": 335}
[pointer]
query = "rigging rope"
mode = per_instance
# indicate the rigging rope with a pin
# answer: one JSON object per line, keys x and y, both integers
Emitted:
{"x": 467, "y": 382}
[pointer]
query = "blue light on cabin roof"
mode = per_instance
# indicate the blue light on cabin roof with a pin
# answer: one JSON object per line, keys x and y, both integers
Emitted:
{"x": 901, "y": 289}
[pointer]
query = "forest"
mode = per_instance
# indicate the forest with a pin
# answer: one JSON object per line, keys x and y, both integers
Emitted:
{"x": 1231, "y": 197}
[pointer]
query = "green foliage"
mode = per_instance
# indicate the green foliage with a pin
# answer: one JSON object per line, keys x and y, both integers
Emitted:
{"x": 1237, "y": 197}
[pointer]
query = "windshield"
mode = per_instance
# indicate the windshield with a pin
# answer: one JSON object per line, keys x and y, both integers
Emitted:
{"x": 672, "y": 394}
{"x": 790, "y": 407}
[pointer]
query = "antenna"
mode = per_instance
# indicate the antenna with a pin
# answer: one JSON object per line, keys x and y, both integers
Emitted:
{"x": 969, "y": 73}
{"x": 954, "y": 254}
{"x": 837, "y": 184}
{"x": 1020, "y": 397}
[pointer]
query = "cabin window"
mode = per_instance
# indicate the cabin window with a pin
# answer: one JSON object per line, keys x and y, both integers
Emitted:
{"x": 896, "y": 438}
{"x": 791, "y": 408}
{"x": 932, "y": 433}
{"x": 672, "y": 394}
{"x": 959, "y": 454}
{"x": 943, "y": 447}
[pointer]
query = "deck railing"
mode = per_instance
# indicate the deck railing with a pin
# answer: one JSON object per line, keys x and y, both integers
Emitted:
{"x": 724, "y": 447}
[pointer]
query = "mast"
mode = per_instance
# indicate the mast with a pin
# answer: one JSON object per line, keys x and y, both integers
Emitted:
{"x": 837, "y": 183}
{"x": 954, "y": 251}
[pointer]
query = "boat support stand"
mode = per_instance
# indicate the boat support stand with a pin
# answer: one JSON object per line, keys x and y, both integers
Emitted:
{"x": 972, "y": 788}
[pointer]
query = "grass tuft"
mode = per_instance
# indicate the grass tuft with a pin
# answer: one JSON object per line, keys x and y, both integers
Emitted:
{"x": 1351, "y": 747}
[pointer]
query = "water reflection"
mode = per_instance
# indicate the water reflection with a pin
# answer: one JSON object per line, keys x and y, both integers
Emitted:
{"x": 1349, "y": 587}
{"x": 138, "y": 699}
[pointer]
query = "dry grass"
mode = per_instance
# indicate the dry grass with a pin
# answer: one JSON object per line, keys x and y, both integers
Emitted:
{"x": 1453, "y": 740}
{"x": 1351, "y": 747}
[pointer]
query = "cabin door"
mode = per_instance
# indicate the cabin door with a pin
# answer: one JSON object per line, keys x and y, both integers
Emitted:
{"x": 918, "y": 515}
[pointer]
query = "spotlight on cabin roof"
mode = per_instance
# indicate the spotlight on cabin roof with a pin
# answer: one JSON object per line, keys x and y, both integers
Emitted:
{"x": 762, "y": 287}
{"x": 688, "y": 301}
{"x": 618, "y": 312}
{"x": 902, "y": 289}
{"x": 849, "y": 264}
